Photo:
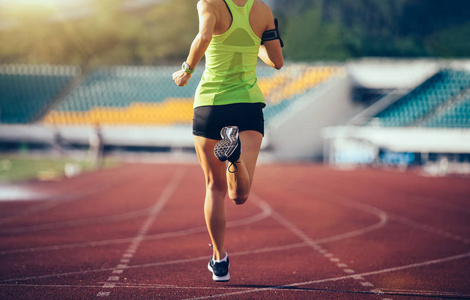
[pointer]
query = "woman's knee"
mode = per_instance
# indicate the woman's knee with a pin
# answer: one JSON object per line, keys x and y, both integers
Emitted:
{"x": 239, "y": 199}
{"x": 216, "y": 186}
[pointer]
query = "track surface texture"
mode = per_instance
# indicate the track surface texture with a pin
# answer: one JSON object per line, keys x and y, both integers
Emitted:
{"x": 307, "y": 232}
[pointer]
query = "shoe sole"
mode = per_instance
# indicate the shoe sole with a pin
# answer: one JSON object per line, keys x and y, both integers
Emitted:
{"x": 219, "y": 278}
{"x": 229, "y": 143}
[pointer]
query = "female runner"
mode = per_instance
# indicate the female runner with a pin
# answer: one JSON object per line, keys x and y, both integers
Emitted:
{"x": 228, "y": 122}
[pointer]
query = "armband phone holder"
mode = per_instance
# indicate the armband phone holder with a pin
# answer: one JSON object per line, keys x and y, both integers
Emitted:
{"x": 273, "y": 34}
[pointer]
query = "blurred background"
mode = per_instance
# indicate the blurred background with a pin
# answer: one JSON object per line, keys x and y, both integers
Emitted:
{"x": 367, "y": 83}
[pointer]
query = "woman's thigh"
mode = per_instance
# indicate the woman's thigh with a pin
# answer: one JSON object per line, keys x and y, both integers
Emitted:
{"x": 251, "y": 144}
{"x": 214, "y": 169}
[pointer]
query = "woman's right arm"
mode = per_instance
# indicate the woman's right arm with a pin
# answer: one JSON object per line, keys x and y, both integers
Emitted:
{"x": 207, "y": 20}
{"x": 271, "y": 52}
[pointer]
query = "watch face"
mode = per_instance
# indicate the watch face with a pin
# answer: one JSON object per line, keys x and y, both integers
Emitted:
{"x": 186, "y": 68}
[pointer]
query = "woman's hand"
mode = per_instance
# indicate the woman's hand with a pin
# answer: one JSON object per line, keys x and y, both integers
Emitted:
{"x": 181, "y": 78}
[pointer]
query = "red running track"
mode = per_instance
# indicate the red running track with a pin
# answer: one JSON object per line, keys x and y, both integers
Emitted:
{"x": 307, "y": 232}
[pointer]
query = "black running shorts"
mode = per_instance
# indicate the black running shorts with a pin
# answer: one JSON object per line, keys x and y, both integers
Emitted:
{"x": 209, "y": 120}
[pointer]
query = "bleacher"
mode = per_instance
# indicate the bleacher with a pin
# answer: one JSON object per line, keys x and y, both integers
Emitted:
{"x": 289, "y": 86}
{"x": 148, "y": 96}
{"x": 26, "y": 92}
{"x": 423, "y": 102}
{"x": 456, "y": 115}
{"x": 126, "y": 95}
{"x": 122, "y": 86}
{"x": 142, "y": 107}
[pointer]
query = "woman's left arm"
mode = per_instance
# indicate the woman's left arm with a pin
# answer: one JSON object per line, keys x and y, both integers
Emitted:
{"x": 207, "y": 21}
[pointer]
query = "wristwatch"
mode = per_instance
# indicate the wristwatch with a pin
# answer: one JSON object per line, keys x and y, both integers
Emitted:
{"x": 185, "y": 68}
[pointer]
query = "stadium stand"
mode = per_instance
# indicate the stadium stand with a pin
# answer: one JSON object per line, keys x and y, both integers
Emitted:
{"x": 455, "y": 115}
{"x": 172, "y": 111}
{"x": 140, "y": 106}
{"x": 425, "y": 100}
{"x": 148, "y": 96}
{"x": 297, "y": 81}
{"x": 27, "y": 91}
{"x": 126, "y": 95}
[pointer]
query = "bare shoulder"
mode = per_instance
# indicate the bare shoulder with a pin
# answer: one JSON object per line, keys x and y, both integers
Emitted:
{"x": 262, "y": 8}
{"x": 207, "y": 4}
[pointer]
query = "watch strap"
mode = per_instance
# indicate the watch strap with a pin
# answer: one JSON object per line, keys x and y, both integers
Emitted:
{"x": 185, "y": 68}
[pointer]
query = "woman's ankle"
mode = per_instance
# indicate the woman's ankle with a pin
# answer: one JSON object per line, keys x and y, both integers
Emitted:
{"x": 219, "y": 255}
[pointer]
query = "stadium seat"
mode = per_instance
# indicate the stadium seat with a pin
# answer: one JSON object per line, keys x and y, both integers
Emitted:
{"x": 456, "y": 115}
{"x": 27, "y": 91}
{"x": 148, "y": 95}
{"x": 425, "y": 99}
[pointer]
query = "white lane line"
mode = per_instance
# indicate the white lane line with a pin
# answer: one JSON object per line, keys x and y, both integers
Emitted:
{"x": 265, "y": 250}
{"x": 66, "y": 197}
{"x": 394, "y": 269}
{"x": 155, "y": 209}
{"x": 75, "y": 223}
{"x": 290, "y": 226}
{"x": 383, "y": 271}
{"x": 113, "y": 278}
{"x": 49, "y": 204}
{"x": 356, "y": 205}
{"x": 426, "y": 201}
{"x": 408, "y": 293}
{"x": 334, "y": 259}
{"x": 265, "y": 213}
{"x": 382, "y": 215}
{"x": 151, "y": 265}
{"x": 428, "y": 228}
{"x": 425, "y": 293}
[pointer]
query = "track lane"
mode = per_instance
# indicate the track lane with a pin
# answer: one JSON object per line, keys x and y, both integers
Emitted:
{"x": 368, "y": 221}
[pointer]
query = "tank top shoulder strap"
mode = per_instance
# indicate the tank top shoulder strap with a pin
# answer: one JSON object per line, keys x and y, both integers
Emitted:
{"x": 241, "y": 22}
{"x": 239, "y": 11}
{"x": 249, "y": 5}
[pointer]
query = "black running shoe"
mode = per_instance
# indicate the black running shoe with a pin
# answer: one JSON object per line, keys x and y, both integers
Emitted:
{"x": 229, "y": 148}
{"x": 219, "y": 270}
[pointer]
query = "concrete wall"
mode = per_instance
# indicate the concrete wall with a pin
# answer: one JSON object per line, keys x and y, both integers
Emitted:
{"x": 407, "y": 139}
{"x": 295, "y": 135}
{"x": 169, "y": 136}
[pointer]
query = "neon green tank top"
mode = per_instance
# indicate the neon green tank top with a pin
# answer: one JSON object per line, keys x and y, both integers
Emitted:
{"x": 231, "y": 59}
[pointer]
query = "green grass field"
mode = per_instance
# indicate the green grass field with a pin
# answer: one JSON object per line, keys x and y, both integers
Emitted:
{"x": 20, "y": 168}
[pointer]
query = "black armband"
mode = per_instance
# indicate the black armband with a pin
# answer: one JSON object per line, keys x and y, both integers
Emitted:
{"x": 273, "y": 34}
